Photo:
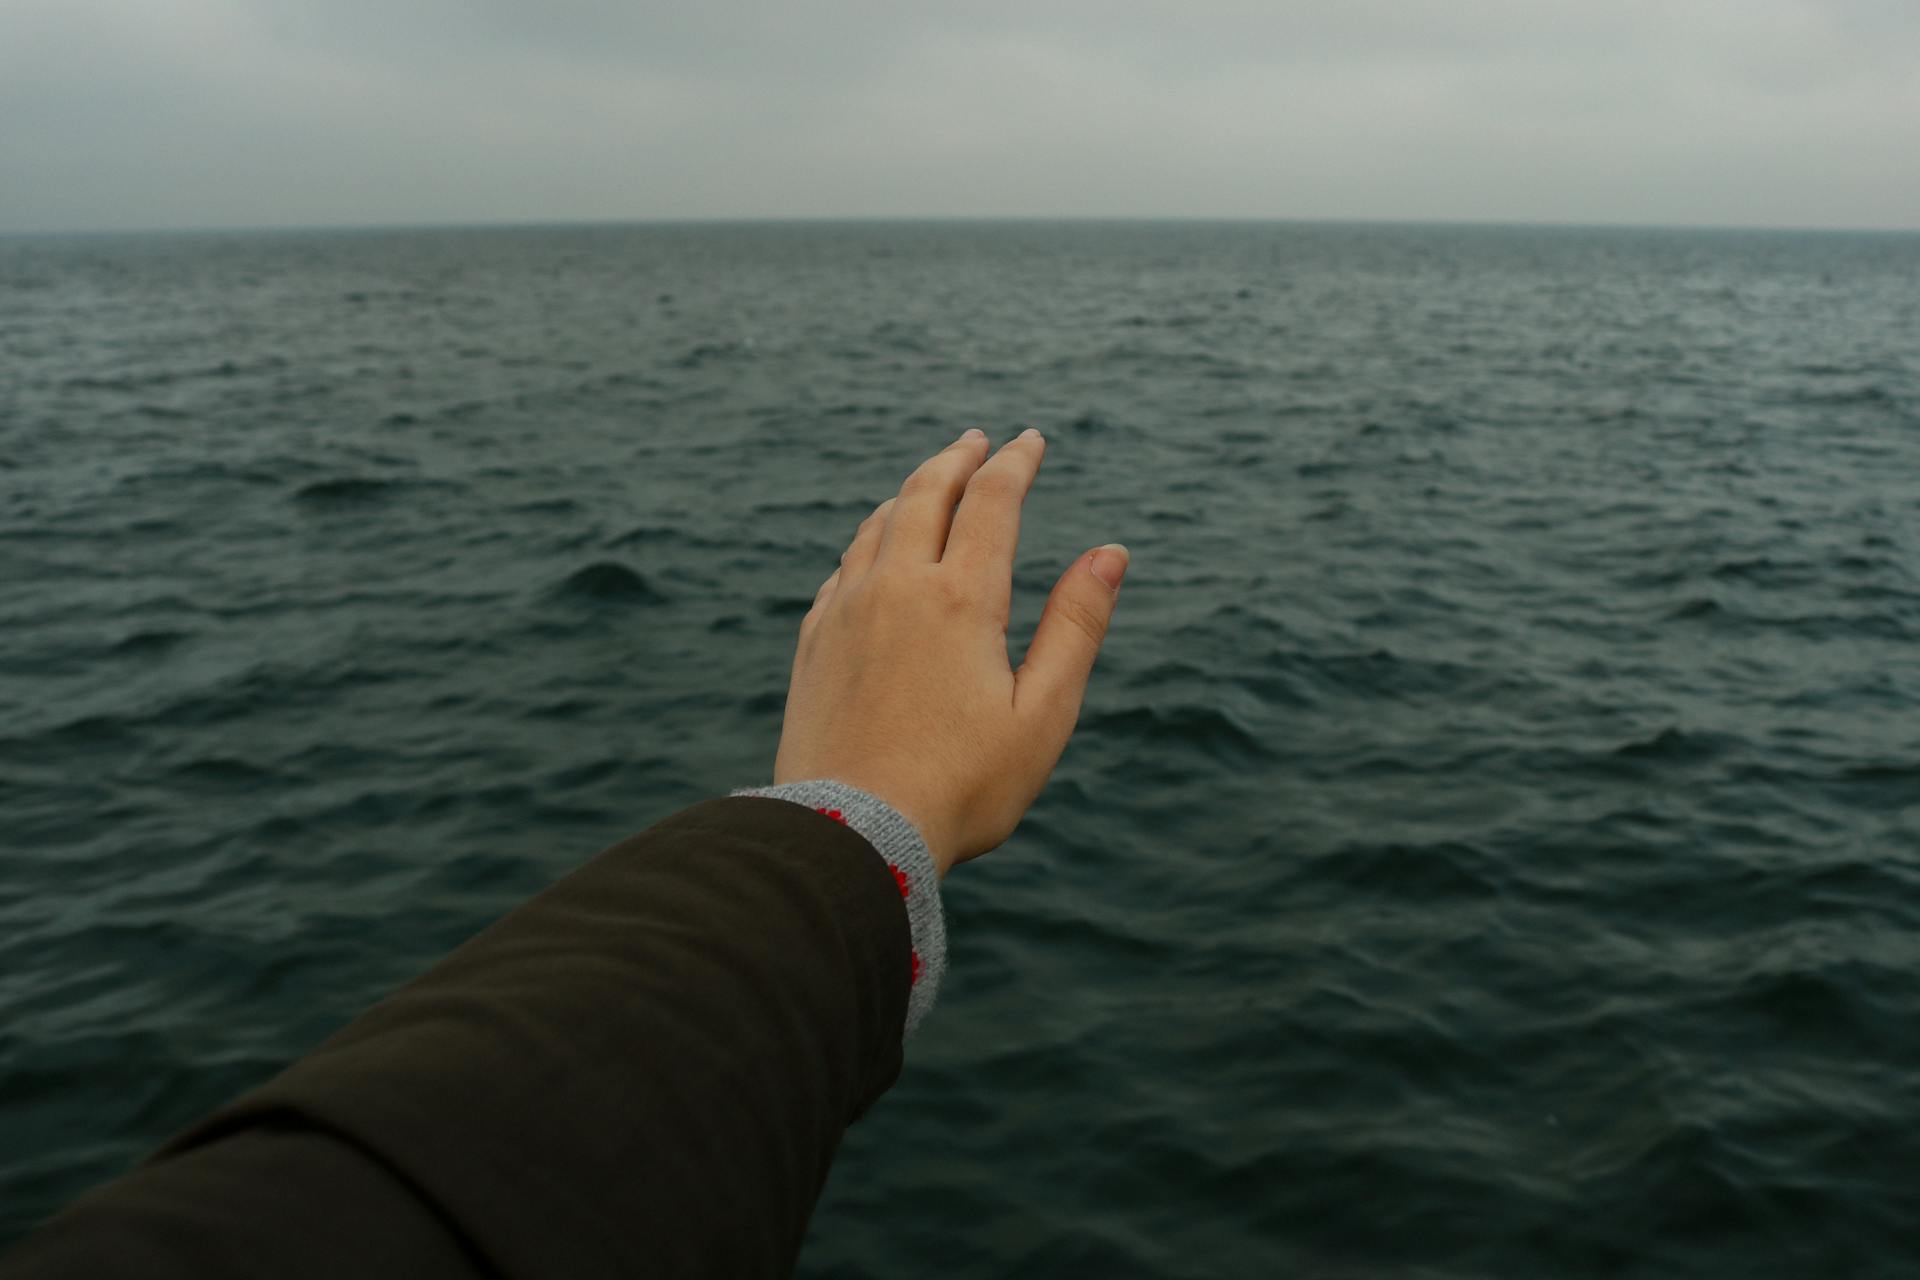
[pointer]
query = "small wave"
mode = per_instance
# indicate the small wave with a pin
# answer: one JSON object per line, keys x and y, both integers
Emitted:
{"x": 812, "y": 506}
{"x": 546, "y": 507}
{"x": 646, "y": 533}
{"x": 1171, "y": 671}
{"x": 563, "y": 709}
{"x": 81, "y": 735}
{"x": 585, "y": 775}
{"x": 609, "y": 582}
{"x": 1844, "y": 887}
{"x": 622, "y": 380}
{"x": 1675, "y": 746}
{"x": 1819, "y": 369}
{"x": 1384, "y": 673}
{"x": 1764, "y": 571}
{"x": 1235, "y": 620}
{"x": 168, "y": 377}
{"x": 1830, "y": 1005}
{"x": 771, "y": 702}
{"x": 707, "y": 353}
{"x": 1871, "y": 394}
{"x": 268, "y": 685}
{"x": 1866, "y": 564}
{"x": 1892, "y": 785}
{"x": 1210, "y": 730}
{"x": 1903, "y": 771}
{"x": 1277, "y": 691}
{"x": 142, "y": 643}
{"x": 224, "y": 772}
{"x": 1811, "y": 626}
{"x": 1697, "y": 609}
{"x": 169, "y": 477}
{"x": 1424, "y": 873}
{"x": 346, "y": 489}
{"x": 1647, "y": 579}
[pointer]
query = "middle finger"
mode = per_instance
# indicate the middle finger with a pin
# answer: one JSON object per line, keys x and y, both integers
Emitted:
{"x": 986, "y": 528}
{"x": 917, "y": 529}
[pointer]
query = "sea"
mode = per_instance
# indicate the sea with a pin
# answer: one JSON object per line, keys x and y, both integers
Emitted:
{"x": 1490, "y": 846}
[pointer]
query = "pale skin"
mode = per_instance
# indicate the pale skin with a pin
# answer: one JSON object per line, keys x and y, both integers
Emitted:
{"x": 901, "y": 681}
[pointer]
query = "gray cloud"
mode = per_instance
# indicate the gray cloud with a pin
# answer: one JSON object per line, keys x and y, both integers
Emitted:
{"x": 123, "y": 113}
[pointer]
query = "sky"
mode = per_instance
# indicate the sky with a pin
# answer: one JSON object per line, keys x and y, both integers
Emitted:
{"x": 134, "y": 114}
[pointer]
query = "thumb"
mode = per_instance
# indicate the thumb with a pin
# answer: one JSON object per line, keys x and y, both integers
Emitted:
{"x": 1060, "y": 659}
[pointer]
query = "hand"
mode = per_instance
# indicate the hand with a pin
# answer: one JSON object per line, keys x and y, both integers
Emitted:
{"x": 901, "y": 681}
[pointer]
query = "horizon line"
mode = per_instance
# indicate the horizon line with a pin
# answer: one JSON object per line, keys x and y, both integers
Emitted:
{"x": 504, "y": 224}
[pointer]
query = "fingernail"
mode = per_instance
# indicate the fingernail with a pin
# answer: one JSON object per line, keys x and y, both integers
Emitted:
{"x": 1109, "y": 563}
{"x": 1035, "y": 433}
{"x": 971, "y": 433}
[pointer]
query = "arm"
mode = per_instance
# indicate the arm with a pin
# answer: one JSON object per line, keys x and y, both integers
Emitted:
{"x": 648, "y": 1067}
{"x": 643, "y": 1070}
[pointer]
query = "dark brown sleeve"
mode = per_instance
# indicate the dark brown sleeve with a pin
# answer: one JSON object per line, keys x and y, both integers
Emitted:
{"x": 644, "y": 1070}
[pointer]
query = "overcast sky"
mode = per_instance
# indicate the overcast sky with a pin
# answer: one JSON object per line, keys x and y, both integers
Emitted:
{"x": 185, "y": 113}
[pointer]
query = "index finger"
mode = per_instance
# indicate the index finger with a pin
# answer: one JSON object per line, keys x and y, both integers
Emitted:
{"x": 986, "y": 526}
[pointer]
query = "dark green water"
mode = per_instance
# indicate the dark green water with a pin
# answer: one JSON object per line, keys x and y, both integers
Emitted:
{"x": 1491, "y": 846}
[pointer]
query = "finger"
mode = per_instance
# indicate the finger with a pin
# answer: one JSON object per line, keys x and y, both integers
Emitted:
{"x": 1053, "y": 678}
{"x": 858, "y": 557}
{"x": 986, "y": 526}
{"x": 917, "y": 529}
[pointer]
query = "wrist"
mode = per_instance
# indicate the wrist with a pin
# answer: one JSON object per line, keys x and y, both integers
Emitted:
{"x": 942, "y": 845}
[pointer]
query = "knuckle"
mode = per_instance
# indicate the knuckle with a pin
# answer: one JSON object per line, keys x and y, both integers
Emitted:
{"x": 1090, "y": 622}
{"x": 997, "y": 485}
{"x": 924, "y": 481}
{"x": 951, "y": 594}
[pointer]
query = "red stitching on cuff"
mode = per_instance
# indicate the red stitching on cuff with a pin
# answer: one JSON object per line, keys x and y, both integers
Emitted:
{"x": 899, "y": 877}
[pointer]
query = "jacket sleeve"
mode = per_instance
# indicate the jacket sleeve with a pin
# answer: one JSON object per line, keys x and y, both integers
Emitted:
{"x": 643, "y": 1070}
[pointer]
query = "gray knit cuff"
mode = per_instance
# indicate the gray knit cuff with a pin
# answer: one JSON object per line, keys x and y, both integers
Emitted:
{"x": 906, "y": 855}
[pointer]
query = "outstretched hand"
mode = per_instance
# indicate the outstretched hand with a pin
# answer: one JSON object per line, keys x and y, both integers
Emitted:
{"x": 901, "y": 681}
